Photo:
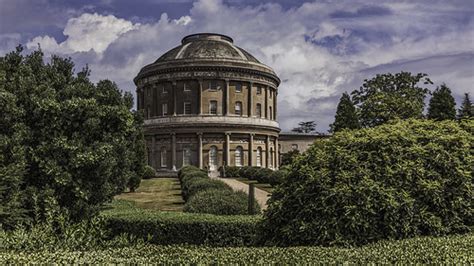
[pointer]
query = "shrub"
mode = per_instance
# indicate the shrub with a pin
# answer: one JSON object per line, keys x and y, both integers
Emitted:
{"x": 187, "y": 168}
{"x": 277, "y": 177}
{"x": 248, "y": 172}
{"x": 167, "y": 228}
{"x": 394, "y": 181}
{"x": 262, "y": 175}
{"x": 219, "y": 202}
{"x": 202, "y": 184}
{"x": 230, "y": 171}
{"x": 149, "y": 172}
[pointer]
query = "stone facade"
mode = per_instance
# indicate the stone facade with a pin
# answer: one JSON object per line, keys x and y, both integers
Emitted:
{"x": 209, "y": 103}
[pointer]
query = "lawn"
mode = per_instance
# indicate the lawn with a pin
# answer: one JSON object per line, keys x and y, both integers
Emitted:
{"x": 265, "y": 187}
{"x": 162, "y": 194}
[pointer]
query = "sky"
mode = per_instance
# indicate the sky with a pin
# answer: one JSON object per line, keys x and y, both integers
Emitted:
{"x": 319, "y": 49}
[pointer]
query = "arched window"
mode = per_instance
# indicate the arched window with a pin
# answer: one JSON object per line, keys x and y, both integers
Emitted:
{"x": 259, "y": 110}
{"x": 271, "y": 159}
{"x": 163, "y": 156}
{"x": 238, "y": 108}
{"x": 186, "y": 156}
{"x": 259, "y": 157}
{"x": 238, "y": 156}
{"x": 213, "y": 158}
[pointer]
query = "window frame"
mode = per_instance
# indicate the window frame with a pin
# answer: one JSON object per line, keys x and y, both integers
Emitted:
{"x": 239, "y": 105}
{"x": 238, "y": 87}
{"x": 163, "y": 109}
{"x": 258, "y": 110}
{"x": 210, "y": 107}
{"x": 187, "y": 154}
{"x": 190, "y": 108}
{"x": 258, "y": 157}
{"x": 186, "y": 88}
{"x": 163, "y": 157}
{"x": 259, "y": 90}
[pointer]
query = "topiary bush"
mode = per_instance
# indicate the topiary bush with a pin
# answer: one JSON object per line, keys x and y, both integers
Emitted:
{"x": 262, "y": 175}
{"x": 149, "y": 172}
{"x": 248, "y": 172}
{"x": 201, "y": 184}
{"x": 219, "y": 202}
{"x": 394, "y": 181}
{"x": 277, "y": 177}
{"x": 230, "y": 171}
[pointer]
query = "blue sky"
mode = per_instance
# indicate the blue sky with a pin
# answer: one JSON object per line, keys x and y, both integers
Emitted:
{"x": 318, "y": 48}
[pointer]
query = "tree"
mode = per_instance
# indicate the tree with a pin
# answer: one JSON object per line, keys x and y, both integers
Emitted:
{"x": 398, "y": 180}
{"x": 80, "y": 139}
{"x": 442, "y": 105}
{"x": 305, "y": 127}
{"x": 388, "y": 96}
{"x": 467, "y": 108}
{"x": 346, "y": 115}
{"x": 287, "y": 158}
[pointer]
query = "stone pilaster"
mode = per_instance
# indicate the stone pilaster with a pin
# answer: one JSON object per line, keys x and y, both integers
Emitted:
{"x": 153, "y": 161}
{"x": 227, "y": 148}
{"x": 226, "y": 95}
{"x": 267, "y": 152}
{"x": 174, "y": 91}
{"x": 200, "y": 97}
{"x": 251, "y": 149}
{"x": 199, "y": 134}
{"x": 173, "y": 151}
{"x": 277, "y": 154}
{"x": 266, "y": 103}
{"x": 250, "y": 104}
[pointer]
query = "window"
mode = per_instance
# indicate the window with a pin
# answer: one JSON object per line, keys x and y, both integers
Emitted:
{"x": 238, "y": 87}
{"x": 259, "y": 157}
{"x": 213, "y": 107}
{"x": 163, "y": 89}
{"x": 271, "y": 113}
{"x": 271, "y": 93}
{"x": 186, "y": 156}
{"x": 294, "y": 146}
{"x": 213, "y": 85}
{"x": 259, "y": 90}
{"x": 213, "y": 158}
{"x": 271, "y": 158}
{"x": 186, "y": 87}
{"x": 238, "y": 156}
{"x": 187, "y": 108}
{"x": 164, "y": 109}
{"x": 238, "y": 108}
{"x": 163, "y": 157}
{"x": 259, "y": 110}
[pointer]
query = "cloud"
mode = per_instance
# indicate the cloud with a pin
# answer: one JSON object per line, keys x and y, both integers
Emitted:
{"x": 319, "y": 49}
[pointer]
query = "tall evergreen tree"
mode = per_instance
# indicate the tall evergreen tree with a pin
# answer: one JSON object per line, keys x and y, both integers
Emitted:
{"x": 467, "y": 108}
{"x": 442, "y": 105}
{"x": 346, "y": 115}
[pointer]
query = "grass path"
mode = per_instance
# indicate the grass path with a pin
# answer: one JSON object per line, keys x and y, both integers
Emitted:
{"x": 162, "y": 194}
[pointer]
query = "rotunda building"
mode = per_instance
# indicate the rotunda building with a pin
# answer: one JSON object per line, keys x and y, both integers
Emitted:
{"x": 209, "y": 103}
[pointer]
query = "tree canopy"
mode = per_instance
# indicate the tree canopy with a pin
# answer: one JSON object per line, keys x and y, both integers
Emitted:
{"x": 467, "y": 108}
{"x": 305, "y": 127}
{"x": 391, "y": 96}
{"x": 346, "y": 115}
{"x": 442, "y": 105}
{"x": 69, "y": 143}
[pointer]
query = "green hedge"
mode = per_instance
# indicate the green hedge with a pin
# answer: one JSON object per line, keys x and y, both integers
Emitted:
{"x": 453, "y": 250}
{"x": 259, "y": 174}
{"x": 220, "y": 201}
{"x": 398, "y": 180}
{"x": 166, "y": 228}
{"x": 203, "y": 184}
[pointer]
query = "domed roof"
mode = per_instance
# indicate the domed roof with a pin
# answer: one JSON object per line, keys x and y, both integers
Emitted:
{"x": 207, "y": 46}
{"x": 207, "y": 52}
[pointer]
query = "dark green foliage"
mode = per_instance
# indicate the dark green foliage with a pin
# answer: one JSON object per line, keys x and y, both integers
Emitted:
{"x": 80, "y": 139}
{"x": 149, "y": 172}
{"x": 388, "y": 96}
{"x": 230, "y": 171}
{"x": 219, "y": 202}
{"x": 346, "y": 115}
{"x": 305, "y": 127}
{"x": 203, "y": 184}
{"x": 442, "y": 105}
{"x": 248, "y": 172}
{"x": 277, "y": 177}
{"x": 289, "y": 157}
{"x": 394, "y": 181}
{"x": 467, "y": 108}
{"x": 262, "y": 175}
{"x": 167, "y": 228}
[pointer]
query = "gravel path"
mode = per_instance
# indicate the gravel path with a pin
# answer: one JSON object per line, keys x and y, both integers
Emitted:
{"x": 260, "y": 195}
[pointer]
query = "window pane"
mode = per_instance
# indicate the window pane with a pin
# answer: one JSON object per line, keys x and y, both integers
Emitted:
{"x": 238, "y": 87}
{"x": 238, "y": 156}
{"x": 186, "y": 156}
{"x": 213, "y": 107}
{"x": 164, "y": 109}
{"x": 259, "y": 110}
{"x": 187, "y": 108}
{"x": 238, "y": 108}
{"x": 259, "y": 156}
{"x": 163, "y": 157}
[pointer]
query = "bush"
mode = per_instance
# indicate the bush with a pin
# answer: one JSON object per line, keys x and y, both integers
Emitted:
{"x": 277, "y": 177}
{"x": 248, "y": 172}
{"x": 219, "y": 202}
{"x": 187, "y": 168}
{"x": 262, "y": 175}
{"x": 149, "y": 172}
{"x": 202, "y": 184}
{"x": 167, "y": 228}
{"x": 230, "y": 171}
{"x": 394, "y": 181}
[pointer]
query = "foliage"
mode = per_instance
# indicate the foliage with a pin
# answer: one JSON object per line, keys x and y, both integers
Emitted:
{"x": 230, "y": 171}
{"x": 387, "y": 96}
{"x": 166, "y": 228}
{"x": 455, "y": 250}
{"x": 203, "y": 184}
{"x": 219, "y": 202}
{"x": 346, "y": 115}
{"x": 305, "y": 127}
{"x": 149, "y": 172}
{"x": 467, "y": 108}
{"x": 288, "y": 157}
{"x": 394, "y": 181}
{"x": 80, "y": 139}
{"x": 248, "y": 172}
{"x": 277, "y": 176}
{"x": 442, "y": 105}
{"x": 262, "y": 175}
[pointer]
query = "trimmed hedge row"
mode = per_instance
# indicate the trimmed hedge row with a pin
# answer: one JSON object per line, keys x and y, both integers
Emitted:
{"x": 166, "y": 228}
{"x": 204, "y": 195}
{"x": 262, "y": 175}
